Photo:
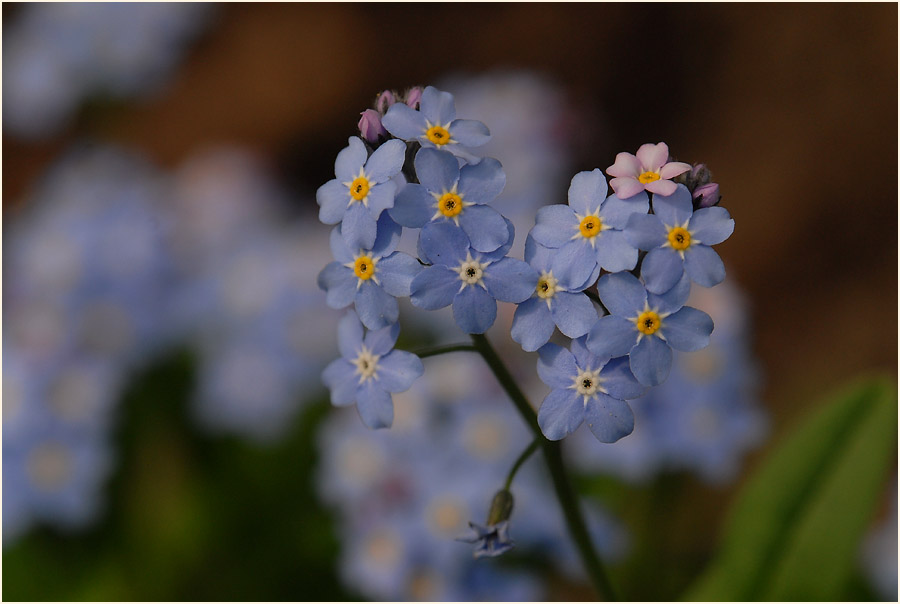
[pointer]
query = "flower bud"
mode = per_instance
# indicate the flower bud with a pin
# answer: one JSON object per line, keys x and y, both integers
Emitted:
{"x": 370, "y": 126}
{"x": 706, "y": 196}
{"x": 414, "y": 96}
{"x": 384, "y": 100}
{"x": 501, "y": 507}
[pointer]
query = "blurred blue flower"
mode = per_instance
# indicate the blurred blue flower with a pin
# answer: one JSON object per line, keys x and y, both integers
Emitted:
{"x": 492, "y": 540}
{"x": 678, "y": 240}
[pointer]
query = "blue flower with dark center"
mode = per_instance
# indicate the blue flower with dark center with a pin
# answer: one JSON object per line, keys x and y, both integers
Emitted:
{"x": 435, "y": 123}
{"x": 555, "y": 302}
{"x": 362, "y": 189}
{"x": 370, "y": 278}
{"x": 588, "y": 232}
{"x": 370, "y": 370}
{"x": 448, "y": 193}
{"x": 586, "y": 388}
{"x": 646, "y": 326}
{"x": 492, "y": 540}
{"x": 678, "y": 241}
{"x": 469, "y": 280}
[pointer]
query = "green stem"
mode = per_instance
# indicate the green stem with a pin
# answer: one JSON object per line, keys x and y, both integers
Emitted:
{"x": 561, "y": 483}
{"x": 522, "y": 458}
{"x": 436, "y": 350}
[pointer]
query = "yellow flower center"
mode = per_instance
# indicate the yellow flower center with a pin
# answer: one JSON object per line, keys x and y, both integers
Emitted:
{"x": 590, "y": 226}
{"x": 438, "y": 135}
{"x": 546, "y": 286}
{"x": 359, "y": 188}
{"x": 648, "y": 177}
{"x": 679, "y": 238}
{"x": 364, "y": 267}
{"x": 450, "y": 204}
{"x": 648, "y": 322}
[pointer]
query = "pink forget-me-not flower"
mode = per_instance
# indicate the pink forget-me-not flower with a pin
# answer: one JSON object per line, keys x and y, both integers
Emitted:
{"x": 650, "y": 171}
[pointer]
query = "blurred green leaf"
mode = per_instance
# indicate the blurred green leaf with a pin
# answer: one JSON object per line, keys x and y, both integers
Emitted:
{"x": 795, "y": 530}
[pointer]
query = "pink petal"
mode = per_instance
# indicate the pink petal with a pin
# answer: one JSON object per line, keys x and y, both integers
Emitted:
{"x": 627, "y": 187}
{"x": 673, "y": 169}
{"x": 662, "y": 187}
{"x": 626, "y": 165}
{"x": 652, "y": 157}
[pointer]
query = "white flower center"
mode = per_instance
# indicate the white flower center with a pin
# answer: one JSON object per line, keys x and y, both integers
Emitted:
{"x": 588, "y": 383}
{"x": 471, "y": 272}
{"x": 366, "y": 364}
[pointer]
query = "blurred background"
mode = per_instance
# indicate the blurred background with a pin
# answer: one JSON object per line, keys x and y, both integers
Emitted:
{"x": 165, "y": 432}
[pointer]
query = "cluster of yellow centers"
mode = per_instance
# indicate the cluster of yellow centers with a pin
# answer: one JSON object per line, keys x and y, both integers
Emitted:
{"x": 364, "y": 267}
{"x": 646, "y": 178}
{"x": 359, "y": 188}
{"x": 648, "y": 322}
{"x": 450, "y": 204}
{"x": 438, "y": 135}
{"x": 590, "y": 226}
{"x": 679, "y": 238}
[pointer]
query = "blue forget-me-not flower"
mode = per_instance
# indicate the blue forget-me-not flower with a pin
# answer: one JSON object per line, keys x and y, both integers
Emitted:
{"x": 448, "y": 193}
{"x": 586, "y": 388}
{"x": 370, "y": 278}
{"x": 646, "y": 326}
{"x": 678, "y": 241}
{"x": 362, "y": 190}
{"x": 588, "y": 233}
{"x": 555, "y": 302}
{"x": 469, "y": 280}
{"x": 369, "y": 370}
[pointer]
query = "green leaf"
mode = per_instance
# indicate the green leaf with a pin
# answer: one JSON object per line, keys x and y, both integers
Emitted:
{"x": 795, "y": 529}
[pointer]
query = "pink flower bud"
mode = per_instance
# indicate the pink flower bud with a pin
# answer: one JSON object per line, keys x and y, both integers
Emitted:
{"x": 370, "y": 126}
{"x": 384, "y": 100}
{"x": 706, "y": 196}
{"x": 414, "y": 96}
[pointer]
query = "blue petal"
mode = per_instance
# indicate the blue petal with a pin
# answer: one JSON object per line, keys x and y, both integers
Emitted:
{"x": 350, "y": 335}
{"x": 711, "y": 225}
{"x": 333, "y": 198}
{"x": 485, "y": 227}
{"x": 674, "y": 209}
{"x": 673, "y": 299}
{"x": 651, "y": 360}
{"x": 437, "y": 170}
{"x": 376, "y": 308}
{"x": 537, "y": 255}
{"x": 340, "y": 377}
{"x": 614, "y": 253}
{"x": 388, "y": 236}
{"x": 433, "y": 288}
{"x": 612, "y": 336}
{"x": 380, "y": 341}
{"x": 590, "y": 280}
{"x": 510, "y": 280}
{"x": 587, "y": 191}
{"x": 661, "y": 270}
{"x": 585, "y": 359}
{"x": 532, "y": 324}
{"x": 444, "y": 243}
{"x": 381, "y": 198}
{"x": 622, "y": 294}
{"x": 474, "y": 309}
{"x": 350, "y": 160}
{"x": 386, "y": 161}
{"x": 608, "y": 418}
{"x": 645, "y": 231}
{"x": 561, "y": 413}
{"x": 616, "y": 211}
{"x": 554, "y": 225}
{"x": 398, "y": 370}
{"x": 339, "y": 284}
{"x": 556, "y": 366}
{"x": 688, "y": 329}
{"x": 437, "y": 106}
{"x": 339, "y": 249}
{"x": 574, "y": 314}
{"x": 413, "y": 207}
{"x": 374, "y": 405}
{"x": 574, "y": 263}
{"x": 483, "y": 182}
{"x": 501, "y": 251}
{"x": 469, "y": 133}
{"x": 703, "y": 265}
{"x": 359, "y": 227}
{"x": 404, "y": 122}
{"x": 619, "y": 382}
{"x": 396, "y": 273}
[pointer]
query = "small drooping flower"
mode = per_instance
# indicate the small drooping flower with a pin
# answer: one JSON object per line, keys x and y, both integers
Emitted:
{"x": 469, "y": 280}
{"x": 586, "y": 388}
{"x": 678, "y": 240}
{"x": 650, "y": 171}
{"x": 372, "y": 279}
{"x": 362, "y": 190}
{"x": 369, "y": 370}
{"x": 435, "y": 123}
{"x": 587, "y": 234}
{"x": 448, "y": 193}
{"x": 556, "y": 301}
{"x": 646, "y": 326}
{"x": 492, "y": 539}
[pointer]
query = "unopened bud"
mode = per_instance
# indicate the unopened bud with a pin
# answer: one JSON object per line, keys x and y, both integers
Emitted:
{"x": 414, "y": 97}
{"x": 501, "y": 507}
{"x": 370, "y": 126}
{"x": 706, "y": 196}
{"x": 385, "y": 99}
